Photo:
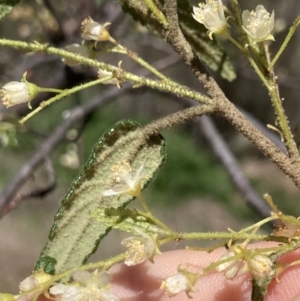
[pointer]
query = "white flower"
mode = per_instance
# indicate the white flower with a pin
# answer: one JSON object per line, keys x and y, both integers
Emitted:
{"x": 230, "y": 267}
{"x": 103, "y": 73}
{"x": 258, "y": 24}
{"x": 14, "y": 93}
{"x": 261, "y": 266}
{"x": 88, "y": 287}
{"x": 91, "y": 30}
{"x": 140, "y": 248}
{"x": 212, "y": 16}
{"x": 31, "y": 282}
{"x": 100, "y": 279}
{"x": 126, "y": 183}
{"x": 183, "y": 281}
{"x": 66, "y": 292}
{"x": 76, "y": 49}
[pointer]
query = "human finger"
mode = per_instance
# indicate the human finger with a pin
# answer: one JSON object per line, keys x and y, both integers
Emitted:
{"x": 142, "y": 282}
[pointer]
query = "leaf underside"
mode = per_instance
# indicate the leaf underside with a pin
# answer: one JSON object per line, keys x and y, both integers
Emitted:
{"x": 75, "y": 234}
{"x": 6, "y": 7}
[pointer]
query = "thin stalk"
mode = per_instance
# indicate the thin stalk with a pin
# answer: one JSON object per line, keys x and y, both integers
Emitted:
{"x": 179, "y": 90}
{"x": 51, "y": 90}
{"x": 135, "y": 57}
{"x": 257, "y": 70}
{"x": 156, "y": 11}
{"x": 218, "y": 235}
{"x": 233, "y": 41}
{"x": 259, "y": 224}
{"x": 55, "y": 278}
{"x": 285, "y": 42}
{"x": 148, "y": 215}
{"x": 282, "y": 121}
{"x": 63, "y": 94}
{"x": 281, "y": 118}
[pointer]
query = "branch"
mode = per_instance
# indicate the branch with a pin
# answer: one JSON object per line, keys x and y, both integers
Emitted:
{"x": 58, "y": 134}
{"x": 176, "y": 39}
{"x": 290, "y": 166}
{"x": 35, "y": 193}
{"x": 182, "y": 116}
{"x": 226, "y": 109}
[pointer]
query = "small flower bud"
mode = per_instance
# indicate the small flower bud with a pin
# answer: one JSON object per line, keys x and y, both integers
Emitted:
{"x": 183, "y": 281}
{"x": 212, "y": 16}
{"x": 33, "y": 280}
{"x": 76, "y": 49}
{"x": 258, "y": 24}
{"x": 230, "y": 268}
{"x": 14, "y": 93}
{"x": 175, "y": 284}
{"x": 261, "y": 266}
{"x": 91, "y": 30}
{"x": 103, "y": 73}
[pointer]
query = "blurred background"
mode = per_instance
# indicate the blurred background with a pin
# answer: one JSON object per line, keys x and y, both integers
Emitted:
{"x": 193, "y": 191}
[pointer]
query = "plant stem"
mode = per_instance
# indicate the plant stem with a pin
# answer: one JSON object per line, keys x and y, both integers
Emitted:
{"x": 55, "y": 278}
{"x": 256, "y": 68}
{"x": 281, "y": 119}
{"x": 233, "y": 41}
{"x": 179, "y": 90}
{"x": 63, "y": 94}
{"x": 155, "y": 10}
{"x": 285, "y": 42}
{"x": 219, "y": 235}
{"x": 259, "y": 224}
{"x": 51, "y": 90}
{"x": 134, "y": 56}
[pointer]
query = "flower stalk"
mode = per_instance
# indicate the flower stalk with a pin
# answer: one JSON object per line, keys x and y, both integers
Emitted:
{"x": 156, "y": 11}
{"x": 285, "y": 42}
{"x": 61, "y": 95}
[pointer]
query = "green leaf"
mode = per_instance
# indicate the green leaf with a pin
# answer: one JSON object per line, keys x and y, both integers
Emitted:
{"x": 6, "y": 7}
{"x": 124, "y": 219}
{"x": 75, "y": 234}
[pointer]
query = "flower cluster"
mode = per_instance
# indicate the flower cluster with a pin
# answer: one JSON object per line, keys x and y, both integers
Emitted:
{"x": 238, "y": 256}
{"x": 87, "y": 287}
{"x": 257, "y": 24}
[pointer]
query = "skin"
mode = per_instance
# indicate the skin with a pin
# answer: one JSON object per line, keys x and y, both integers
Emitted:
{"x": 142, "y": 282}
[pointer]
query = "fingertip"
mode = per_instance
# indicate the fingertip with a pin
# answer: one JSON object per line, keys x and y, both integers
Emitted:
{"x": 142, "y": 282}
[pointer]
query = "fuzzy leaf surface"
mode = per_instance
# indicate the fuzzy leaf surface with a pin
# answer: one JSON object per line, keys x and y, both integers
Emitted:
{"x": 75, "y": 234}
{"x": 6, "y": 7}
